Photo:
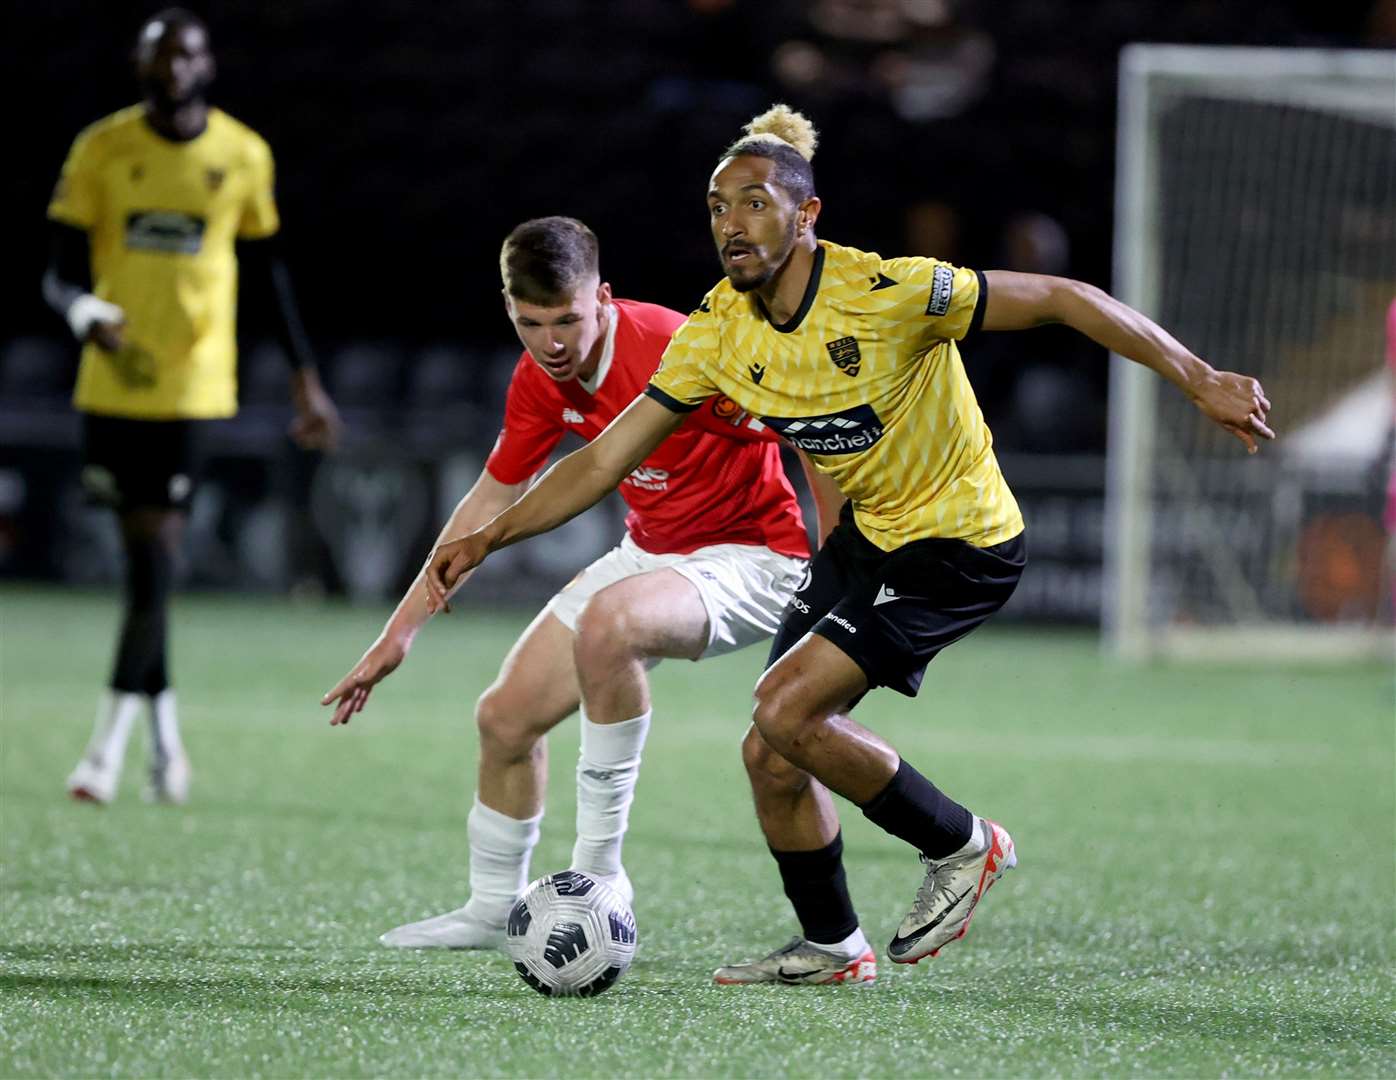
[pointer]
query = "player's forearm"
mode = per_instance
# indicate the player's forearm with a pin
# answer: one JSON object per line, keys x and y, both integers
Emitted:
{"x": 1121, "y": 329}
{"x": 67, "y": 282}
{"x": 1017, "y": 301}
{"x": 482, "y": 503}
{"x": 265, "y": 275}
{"x": 576, "y": 483}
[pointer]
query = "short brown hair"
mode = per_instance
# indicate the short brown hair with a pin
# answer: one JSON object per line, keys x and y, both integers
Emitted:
{"x": 545, "y": 260}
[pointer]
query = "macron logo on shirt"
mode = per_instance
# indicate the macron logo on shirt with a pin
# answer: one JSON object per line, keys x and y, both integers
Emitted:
{"x": 572, "y": 416}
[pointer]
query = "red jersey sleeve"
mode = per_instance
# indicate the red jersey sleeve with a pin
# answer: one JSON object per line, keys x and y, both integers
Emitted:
{"x": 722, "y": 416}
{"x": 529, "y": 434}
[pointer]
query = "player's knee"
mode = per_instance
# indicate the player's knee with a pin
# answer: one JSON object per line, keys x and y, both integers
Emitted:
{"x": 504, "y": 730}
{"x": 777, "y": 715}
{"x": 766, "y": 769}
{"x": 604, "y": 632}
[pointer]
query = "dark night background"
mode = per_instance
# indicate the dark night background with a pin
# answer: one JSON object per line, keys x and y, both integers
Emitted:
{"x": 410, "y": 137}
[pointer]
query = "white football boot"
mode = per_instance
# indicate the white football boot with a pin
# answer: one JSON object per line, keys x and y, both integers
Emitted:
{"x": 459, "y": 929}
{"x": 953, "y": 887}
{"x": 93, "y": 781}
{"x": 169, "y": 764}
{"x": 97, "y": 774}
{"x": 802, "y": 964}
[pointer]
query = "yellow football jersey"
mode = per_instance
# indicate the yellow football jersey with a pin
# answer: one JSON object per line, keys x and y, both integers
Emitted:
{"x": 866, "y": 379}
{"x": 161, "y": 217}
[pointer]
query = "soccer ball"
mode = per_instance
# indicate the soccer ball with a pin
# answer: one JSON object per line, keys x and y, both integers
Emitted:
{"x": 570, "y": 935}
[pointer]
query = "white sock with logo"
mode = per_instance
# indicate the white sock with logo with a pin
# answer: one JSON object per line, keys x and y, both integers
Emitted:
{"x": 607, "y": 769}
{"x": 116, "y": 711}
{"x": 851, "y": 947}
{"x": 164, "y": 727}
{"x": 500, "y": 848}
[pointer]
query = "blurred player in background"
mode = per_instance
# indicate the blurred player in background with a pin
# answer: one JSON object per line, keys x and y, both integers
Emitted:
{"x": 714, "y": 547}
{"x": 145, "y": 218}
{"x": 853, "y": 358}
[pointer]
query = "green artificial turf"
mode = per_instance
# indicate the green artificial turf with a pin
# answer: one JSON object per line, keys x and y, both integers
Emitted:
{"x": 1205, "y": 881}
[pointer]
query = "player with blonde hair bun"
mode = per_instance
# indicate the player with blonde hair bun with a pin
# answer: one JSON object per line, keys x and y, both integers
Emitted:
{"x": 855, "y": 360}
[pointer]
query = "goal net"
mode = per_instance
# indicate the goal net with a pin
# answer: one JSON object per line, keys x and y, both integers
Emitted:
{"x": 1255, "y": 218}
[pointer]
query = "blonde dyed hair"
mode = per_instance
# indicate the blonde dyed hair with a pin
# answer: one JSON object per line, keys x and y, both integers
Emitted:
{"x": 786, "y": 137}
{"x": 784, "y": 124}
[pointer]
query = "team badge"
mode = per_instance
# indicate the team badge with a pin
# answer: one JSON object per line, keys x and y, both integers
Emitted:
{"x": 845, "y": 355}
{"x": 214, "y": 178}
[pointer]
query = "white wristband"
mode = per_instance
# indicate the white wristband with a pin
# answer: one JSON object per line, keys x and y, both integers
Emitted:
{"x": 88, "y": 309}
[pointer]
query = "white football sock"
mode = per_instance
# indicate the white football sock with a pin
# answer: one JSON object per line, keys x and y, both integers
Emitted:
{"x": 164, "y": 727}
{"x": 853, "y": 946}
{"x": 115, "y": 713}
{"x": 606, "y": 773}
{"x": 500, "y": 847}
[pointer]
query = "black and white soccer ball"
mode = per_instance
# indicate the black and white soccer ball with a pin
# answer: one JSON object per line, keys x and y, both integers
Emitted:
{"x": 570, "y": 935}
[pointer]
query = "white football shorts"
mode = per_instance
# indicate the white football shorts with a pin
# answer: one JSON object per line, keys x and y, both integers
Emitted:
{"x": 744, "y": 587}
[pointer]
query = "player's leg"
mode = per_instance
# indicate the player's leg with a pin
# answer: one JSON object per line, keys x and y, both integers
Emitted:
{"x": 801, "y": 828}
{"x": 535, "y": 690}
{"x": 144, "y": 470}
{"x": 905, "y": 608}
{"x": 711, "y": 601}
{"x": 622, "y": 630}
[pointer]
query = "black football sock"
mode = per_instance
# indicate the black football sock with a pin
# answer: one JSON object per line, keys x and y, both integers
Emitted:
{"x": 818, "y": 890}
{"x": 913, "y": 809}
{"x": 140, "y": 653}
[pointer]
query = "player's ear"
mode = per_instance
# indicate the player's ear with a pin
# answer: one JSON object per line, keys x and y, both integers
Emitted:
{"x": 603, "y": 293}
{"x": 808, "y": 213}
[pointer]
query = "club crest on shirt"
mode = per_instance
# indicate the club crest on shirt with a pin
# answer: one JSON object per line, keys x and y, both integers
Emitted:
{"x": 845, "y": 355}
{"x": 214, "y": 178}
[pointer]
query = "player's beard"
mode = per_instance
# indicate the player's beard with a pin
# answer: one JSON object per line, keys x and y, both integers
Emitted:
{"x": 769, "y": 269}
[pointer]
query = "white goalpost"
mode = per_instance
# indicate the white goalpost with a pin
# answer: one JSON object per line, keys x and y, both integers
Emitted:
{"x": 1255, "y": 218}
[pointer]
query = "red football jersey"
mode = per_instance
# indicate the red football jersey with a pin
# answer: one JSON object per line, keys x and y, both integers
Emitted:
{"x": 716, "y": 480}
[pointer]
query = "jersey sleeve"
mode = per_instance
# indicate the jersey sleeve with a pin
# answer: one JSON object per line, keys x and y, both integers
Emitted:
{"x": 76, "y": 197}
{"x": 683, "y": 381}
{"x": 722, "y": 416}
{"x": 259, "y": 216}
{"x": 527, "y": 438}
{"x": 945, "y": 301}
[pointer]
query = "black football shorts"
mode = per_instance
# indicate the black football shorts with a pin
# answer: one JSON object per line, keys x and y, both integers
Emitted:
{"x": 892, "y": 611}
{"x": 138, "y": 464}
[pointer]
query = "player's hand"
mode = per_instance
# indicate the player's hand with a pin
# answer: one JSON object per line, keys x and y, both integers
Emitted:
{"x": 107, "y": 336}
{"x": 317, "y": 425}
{"x": 350, "y": 694}
{"x": 448, "y": 563}
{"x": 1236, "y": 402}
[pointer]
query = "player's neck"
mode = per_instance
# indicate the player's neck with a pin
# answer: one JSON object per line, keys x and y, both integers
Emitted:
{"x": 179, "y": 123}
{"x": 785, "y": 292}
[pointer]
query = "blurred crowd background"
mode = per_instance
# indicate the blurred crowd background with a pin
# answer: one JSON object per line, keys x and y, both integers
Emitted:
{"x": 410, "y": 137}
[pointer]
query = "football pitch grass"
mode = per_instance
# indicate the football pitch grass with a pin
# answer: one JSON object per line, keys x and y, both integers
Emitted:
{"x": 1205, "y": 880}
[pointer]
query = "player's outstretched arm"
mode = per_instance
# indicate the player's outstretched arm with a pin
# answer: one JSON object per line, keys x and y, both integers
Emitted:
{"x": 578, "y": 481}
{"x": 486, "y": 499}
{"x": 1018, "y": 301}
